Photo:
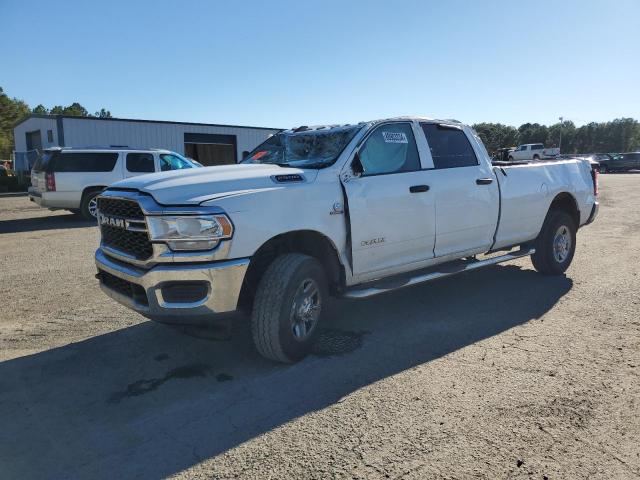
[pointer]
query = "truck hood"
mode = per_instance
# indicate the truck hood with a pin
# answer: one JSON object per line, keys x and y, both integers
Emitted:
{"x": 196, "y": 185}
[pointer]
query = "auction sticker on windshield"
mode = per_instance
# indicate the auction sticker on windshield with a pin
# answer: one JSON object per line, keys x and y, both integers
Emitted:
{"x": 395, "y": 137}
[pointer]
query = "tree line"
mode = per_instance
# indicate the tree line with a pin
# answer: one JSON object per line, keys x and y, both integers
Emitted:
{"x": 12, "y": 110}
{"x": 619, "y": 135}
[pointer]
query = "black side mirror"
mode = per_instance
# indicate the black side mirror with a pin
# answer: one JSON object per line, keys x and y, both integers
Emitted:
{"x": 356, "y": 166}
{"x": 245, "y": 154}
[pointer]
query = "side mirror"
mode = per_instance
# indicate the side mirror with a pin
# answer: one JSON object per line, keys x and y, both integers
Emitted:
{"x": 245, "y": 154}
{"x": 356, "y": 166}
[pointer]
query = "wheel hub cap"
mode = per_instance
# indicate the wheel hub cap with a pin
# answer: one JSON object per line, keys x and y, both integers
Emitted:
{"x": 305, "y": 310}
{"x": 93, "y": 207}
{"x": 561, "y": 244}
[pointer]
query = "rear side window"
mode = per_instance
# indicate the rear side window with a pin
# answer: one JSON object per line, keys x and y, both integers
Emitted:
{"x": 140, "y": 162}
{"x": 82, "y": 162}
{"x": 537, "y": 147}
{"x": 390, "y": 149}
{"x": 449, "y": 147}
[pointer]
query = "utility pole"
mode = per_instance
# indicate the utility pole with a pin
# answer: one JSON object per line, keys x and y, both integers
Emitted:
{"x": 560, "y": 142}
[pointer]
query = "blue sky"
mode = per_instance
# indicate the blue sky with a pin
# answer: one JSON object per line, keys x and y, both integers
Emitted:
{"x": 285, "y": 63}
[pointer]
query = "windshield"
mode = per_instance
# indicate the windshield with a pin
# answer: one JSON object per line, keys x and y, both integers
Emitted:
{"x": 309, "y": 148}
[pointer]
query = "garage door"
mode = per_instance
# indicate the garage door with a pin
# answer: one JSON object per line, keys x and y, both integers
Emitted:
{"x": 211, "y": 149}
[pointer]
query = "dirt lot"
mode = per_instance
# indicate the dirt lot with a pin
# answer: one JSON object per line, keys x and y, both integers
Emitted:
{"x": 499, "y": 373}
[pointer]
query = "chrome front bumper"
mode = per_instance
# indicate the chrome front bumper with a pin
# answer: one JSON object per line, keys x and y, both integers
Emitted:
{"x": 224, "y": 279}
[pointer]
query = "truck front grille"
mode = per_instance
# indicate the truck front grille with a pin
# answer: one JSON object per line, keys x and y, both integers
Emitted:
{"x": 130, "y": 241}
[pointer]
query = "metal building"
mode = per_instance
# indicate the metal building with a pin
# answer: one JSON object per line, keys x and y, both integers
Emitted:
{"x": 209, "y": 144}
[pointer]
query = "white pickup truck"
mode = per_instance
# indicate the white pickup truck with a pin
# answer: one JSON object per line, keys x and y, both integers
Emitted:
{"x": 533, "y": 151}
{"x": 349, "y": 210}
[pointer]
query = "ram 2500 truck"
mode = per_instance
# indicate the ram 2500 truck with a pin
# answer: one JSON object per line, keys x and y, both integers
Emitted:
{"x": 347, "y": 210}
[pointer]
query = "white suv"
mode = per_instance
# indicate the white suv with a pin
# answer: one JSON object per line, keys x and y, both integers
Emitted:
{"x": 71, "y": 178}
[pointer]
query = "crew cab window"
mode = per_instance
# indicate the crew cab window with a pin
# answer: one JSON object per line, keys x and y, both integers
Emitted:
{"x": 449, "y": 147}
{"x": 169, "y": 161}
{"x": 77, "y": 162}
{"x": 539, "y": 146}
{"x": 140, "y": 162}
{"x": 390, "y": 149}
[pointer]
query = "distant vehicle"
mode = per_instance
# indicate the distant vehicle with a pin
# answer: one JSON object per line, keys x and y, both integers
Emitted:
{"x": 502, "y": 154}
{"x": 533, "y": 151}
{"x": 620, "y": 162}
{"x": 72, "y": 178}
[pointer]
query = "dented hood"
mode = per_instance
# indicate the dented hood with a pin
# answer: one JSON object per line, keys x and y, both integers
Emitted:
{"x": 196, "y": 185}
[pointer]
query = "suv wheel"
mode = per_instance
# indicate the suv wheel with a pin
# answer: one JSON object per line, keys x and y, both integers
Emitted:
{"x": 556, "y": 244}
{"x": 89, "y": 206}
{"x": 288, "y": 307}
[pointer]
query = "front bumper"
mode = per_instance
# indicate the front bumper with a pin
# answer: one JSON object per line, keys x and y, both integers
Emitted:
{"x": 224, "y": 280}
{"x": 594, "y": 213}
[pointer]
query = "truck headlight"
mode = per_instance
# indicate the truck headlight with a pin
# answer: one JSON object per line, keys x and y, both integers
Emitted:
{"x": 197, "y": 232}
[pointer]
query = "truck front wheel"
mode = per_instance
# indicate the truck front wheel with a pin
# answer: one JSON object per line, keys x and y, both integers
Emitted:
{"x": 556, "y": 244}
{"x": 288, "y": 307}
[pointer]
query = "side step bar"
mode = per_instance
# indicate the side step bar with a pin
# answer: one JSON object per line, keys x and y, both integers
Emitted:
{"x": 439, "y": 271}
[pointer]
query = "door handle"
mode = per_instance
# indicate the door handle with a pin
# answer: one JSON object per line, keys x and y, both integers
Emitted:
{"x": 419, "y": 188}
{"x": 484, "y": 181}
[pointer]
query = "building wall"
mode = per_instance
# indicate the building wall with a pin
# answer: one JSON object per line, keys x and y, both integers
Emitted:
{"x": 95, "y": 132}
{"x": 31, "y": 124}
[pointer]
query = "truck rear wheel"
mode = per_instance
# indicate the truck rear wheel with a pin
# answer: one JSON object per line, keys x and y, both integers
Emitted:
{"x": 288, "y": 307}
{"x": 556, "y": 244}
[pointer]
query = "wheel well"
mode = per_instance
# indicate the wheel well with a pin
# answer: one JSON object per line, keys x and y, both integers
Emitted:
{"x": 91, "y": 189}
{"x": 308, "y": 242}
{"x": 565, "y": 202}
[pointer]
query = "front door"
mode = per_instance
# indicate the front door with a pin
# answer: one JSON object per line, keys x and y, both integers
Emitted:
{"x": 391, "y": 208}
{"x": 465, "y": 191}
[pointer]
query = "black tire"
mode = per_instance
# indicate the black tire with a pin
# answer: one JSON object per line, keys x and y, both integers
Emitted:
{"x": 536, "y": 157}
{"x": 85, "y": 210}
{"x": 553, "y": 256}
{"x": 275, "y": 329}
{"x": 510, "y": 158}
{"x": 602, "y": 169}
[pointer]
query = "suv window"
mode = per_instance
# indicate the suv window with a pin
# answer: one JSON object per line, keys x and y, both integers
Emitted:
{"x": 140, "y": 162}
{"x": 537, "y": 146}
{"x": 449, "y": 147}
{"x": 390, "y": 148}
{"x": 77, "y": 162}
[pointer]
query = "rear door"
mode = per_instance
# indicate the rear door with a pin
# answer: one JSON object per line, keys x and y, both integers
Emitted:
{"x": 74, "y": 171}
{"x": 391, "y": 208}
{"x": 465, "y": 191}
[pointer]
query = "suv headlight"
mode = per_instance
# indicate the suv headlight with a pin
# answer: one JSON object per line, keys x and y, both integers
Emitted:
{"x": 197, "y": 232}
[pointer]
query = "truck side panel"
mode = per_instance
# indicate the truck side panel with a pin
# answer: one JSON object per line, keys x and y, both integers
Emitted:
{"x": 527, "y": 192}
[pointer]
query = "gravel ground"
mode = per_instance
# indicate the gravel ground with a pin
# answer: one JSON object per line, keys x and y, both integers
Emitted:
{"x": 499, "y": 373}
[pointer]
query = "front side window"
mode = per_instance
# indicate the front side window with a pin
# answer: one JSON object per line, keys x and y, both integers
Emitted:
{"x": 140, "y": 162}
{"x": 390, "y": 148}
{"x": 169, "y": 161}
{"x": 450, "y": 147}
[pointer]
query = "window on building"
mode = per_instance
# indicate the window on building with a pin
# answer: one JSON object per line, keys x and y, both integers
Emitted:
{"x": 50, "y": 136}
{"x": 449, "y": 147}
{"x": 389, "y": 149}
{"x": 140, "y": 162}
